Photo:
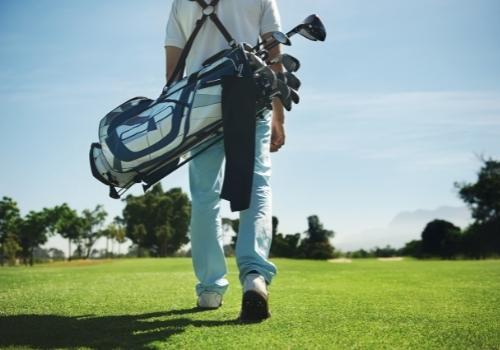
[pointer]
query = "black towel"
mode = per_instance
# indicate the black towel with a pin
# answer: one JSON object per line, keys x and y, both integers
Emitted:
{"x": 239, "y": 123}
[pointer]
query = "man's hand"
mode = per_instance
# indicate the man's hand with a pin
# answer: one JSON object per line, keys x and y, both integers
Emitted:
{"x": 277, "y": 135}
{"x": 278, "y": 126}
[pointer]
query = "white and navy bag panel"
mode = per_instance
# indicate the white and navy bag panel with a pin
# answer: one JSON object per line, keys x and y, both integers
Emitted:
{"x": 141, "y": 133}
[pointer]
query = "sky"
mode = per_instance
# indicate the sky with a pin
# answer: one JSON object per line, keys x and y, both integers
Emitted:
{"x": 398, "y": 104}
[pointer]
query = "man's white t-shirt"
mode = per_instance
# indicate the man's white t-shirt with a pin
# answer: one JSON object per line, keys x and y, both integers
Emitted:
{"x": 245, "y": 20}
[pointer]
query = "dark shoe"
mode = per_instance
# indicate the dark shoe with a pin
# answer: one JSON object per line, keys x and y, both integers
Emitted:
{"x": 255, "y": 303}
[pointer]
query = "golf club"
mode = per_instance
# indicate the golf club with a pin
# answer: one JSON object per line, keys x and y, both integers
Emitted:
{"x": 294, "y": 96}
{"x": 311, "y": 28}
{"x": 290, "y": 63}
{"x": 292, "y": 81}
{"x": 255, "y": 61}
{"x": 267, "y": 77}
{"x": 284, "y": 94}
{"x": 276, "y": 37}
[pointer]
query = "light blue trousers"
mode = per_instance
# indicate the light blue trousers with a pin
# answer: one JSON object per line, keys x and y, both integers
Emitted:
{"x": 255, "y": 228}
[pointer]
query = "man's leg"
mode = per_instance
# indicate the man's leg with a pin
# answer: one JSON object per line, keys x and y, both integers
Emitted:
{"x": 205, "y": 177}
{"x": 255, "y": 229}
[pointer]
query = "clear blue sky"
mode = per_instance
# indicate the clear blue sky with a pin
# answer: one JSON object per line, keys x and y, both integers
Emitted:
{"x": 396, "y": 104}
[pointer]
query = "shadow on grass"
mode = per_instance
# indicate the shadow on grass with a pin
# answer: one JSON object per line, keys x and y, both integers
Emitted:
{"x": 97, "y": 332}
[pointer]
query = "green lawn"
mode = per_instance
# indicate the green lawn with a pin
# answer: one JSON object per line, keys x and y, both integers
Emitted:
{"x": 366, "y": 304}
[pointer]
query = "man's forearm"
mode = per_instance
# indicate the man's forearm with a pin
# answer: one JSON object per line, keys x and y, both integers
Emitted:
{"x": 172, "y": 56}
{"x": 278, "y": 109}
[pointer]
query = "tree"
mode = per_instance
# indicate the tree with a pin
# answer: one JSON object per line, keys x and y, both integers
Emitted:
{"x": 440, "y": 238}
{"x": 317, "y": 244}
{"x": 69, "y": 225}
{"x": 276, "y": 222}
{"x": 119, "y": 234}
{"x": 93, "y": 220}
{"x": 34, "y": 231}
{"x": 412, "y": 248}
{"x": 385, "y": 252}
{"x": 158, "y": 221}
{"x": 40, "y": 255}
{"x": 483, "y": 197}
{"x": 10, "y": 220}
{"x": 482, "y": 238}
{"x": 9, "y": 249}
{"x": 360, "y": 254}
{"x": 108, "y": 233}
{"x": 179, "y": 212}
{"x": 56, "y": 254}
{"x": 114, "y": 232}
{"x": 284, "y": 246}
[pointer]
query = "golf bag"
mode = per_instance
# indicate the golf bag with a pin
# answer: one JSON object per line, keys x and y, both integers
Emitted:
{"x": 144, "y": 140}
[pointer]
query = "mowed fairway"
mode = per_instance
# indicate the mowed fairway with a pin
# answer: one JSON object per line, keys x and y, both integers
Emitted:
{"x": 366, "y": 304}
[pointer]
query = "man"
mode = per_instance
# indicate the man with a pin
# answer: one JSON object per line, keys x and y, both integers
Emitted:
{"x": 246, "y": 20}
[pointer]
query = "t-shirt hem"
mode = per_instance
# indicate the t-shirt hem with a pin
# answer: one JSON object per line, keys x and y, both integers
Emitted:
{"x": 176, "y": 43}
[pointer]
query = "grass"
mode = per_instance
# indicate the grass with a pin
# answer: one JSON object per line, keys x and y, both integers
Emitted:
{"x": 367, "y": 304}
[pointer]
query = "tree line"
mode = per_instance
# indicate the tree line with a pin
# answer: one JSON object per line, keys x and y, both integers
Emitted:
{"x": 22, "y": 236}
{"x": 157, "y": 223}
{"x": 314, "y": 243}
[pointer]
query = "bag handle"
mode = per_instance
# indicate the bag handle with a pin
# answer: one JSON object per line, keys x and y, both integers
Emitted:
{"x": 208, "y": 12}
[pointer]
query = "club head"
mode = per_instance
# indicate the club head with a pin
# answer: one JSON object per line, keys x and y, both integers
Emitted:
{"x": 281, "y": 38}
{"x": 294, "y": 96}
{"x": 312, "y": 28}
{"x": 284, "y": 95}
{"x": 292, "y": 81}
{"x": 255, "y": 61}
{"x": 290, "y": 63}
{"x": 266, "y": 72}
{"x": 281, "y": 76}
{"x": 266, "y": 78}
{"x": 273, "y": 40}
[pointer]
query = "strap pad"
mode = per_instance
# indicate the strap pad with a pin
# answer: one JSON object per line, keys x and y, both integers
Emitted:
{"x": 208, "y": 12}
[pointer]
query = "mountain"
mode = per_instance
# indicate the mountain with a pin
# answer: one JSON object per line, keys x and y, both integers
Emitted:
{"x": 405, "y": 226}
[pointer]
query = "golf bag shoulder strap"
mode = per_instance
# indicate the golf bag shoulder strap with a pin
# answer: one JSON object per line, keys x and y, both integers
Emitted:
{"x": 208, "y": 12}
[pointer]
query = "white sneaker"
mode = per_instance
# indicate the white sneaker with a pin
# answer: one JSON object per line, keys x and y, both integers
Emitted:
{"x": 209, "y": 300}
{"x": 254, "y": 306}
